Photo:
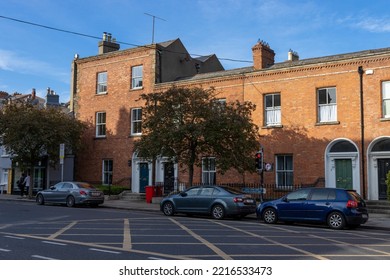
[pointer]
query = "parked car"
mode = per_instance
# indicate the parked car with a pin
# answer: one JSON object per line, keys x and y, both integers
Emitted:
{"x": 71, "y": 194}
{"x": 338, "y": 208}
{"x": 216, "y": 201}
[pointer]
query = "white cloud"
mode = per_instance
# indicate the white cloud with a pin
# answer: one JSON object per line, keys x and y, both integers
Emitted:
{"x": 12, "y": 61}
{"x": 377, "y": 25}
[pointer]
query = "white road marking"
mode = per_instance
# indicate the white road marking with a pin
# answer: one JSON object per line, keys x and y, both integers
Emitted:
{"x": 54, "y": 243}
{"x": 42, "y": 257}
{"x": 14, "y": 237}
{"x": 4, "y": 250}
{"x": 104, "y": 251}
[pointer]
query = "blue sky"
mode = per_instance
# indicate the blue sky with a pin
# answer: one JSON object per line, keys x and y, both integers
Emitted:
{"x": 34, "y": 57}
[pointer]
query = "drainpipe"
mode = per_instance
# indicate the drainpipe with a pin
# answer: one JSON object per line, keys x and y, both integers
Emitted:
{"x": 361, "y": 72}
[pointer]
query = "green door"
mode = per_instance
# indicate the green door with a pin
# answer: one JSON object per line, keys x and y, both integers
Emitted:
{"x": 344, "y": 174}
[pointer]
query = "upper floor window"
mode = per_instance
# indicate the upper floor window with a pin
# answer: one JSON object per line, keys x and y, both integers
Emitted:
{"x": 284, "y": 170}
{"x": 101, "y": 82}
{"x": 327, "y": 105}
{"x": 100, "y": 124}
{"x": 209, "y": 171}
{"x": 136, "y": 77}
{"x": 386, "y": 99}
{"x": 136, "y": 121}
{"x": 272, "y": 109}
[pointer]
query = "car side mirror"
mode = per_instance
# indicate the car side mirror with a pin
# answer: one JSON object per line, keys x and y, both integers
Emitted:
{"x": 284, "y": 199}
{"x": 183, "y": 194}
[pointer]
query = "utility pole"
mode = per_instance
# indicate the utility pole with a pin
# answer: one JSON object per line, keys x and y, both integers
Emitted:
{"x": 154, "y": 17}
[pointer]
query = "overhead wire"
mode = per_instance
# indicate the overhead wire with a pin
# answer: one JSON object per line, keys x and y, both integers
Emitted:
{"x": 99, "y": 38}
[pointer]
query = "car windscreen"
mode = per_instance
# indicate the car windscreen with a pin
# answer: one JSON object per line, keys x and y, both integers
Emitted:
{"x": 355, "y": 196}
{"x": 232, "y": 191}
{"x": 85, "y": 186}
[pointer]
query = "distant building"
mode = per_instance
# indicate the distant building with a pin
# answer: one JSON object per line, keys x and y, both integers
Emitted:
{"x": 44, "y": 174}
{"x": 324, "y": 121}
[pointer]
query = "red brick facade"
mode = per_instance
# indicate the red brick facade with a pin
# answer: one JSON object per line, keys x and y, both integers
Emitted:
{"x": 315, "y": 129}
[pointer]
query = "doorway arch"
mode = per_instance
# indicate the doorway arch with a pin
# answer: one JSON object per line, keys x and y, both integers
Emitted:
{"x": 378, "y": 166}
{"x": 342, "y": 165}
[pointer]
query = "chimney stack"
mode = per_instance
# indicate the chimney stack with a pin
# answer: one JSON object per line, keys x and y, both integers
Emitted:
{"x": 292, "y": 56}
{"x": 108, "y": 44}
{"x": 263, "y": 55}
{"x": 33, "y": 94}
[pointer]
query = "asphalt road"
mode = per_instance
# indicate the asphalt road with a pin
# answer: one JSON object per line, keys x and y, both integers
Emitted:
{"x": 29, "y": 231}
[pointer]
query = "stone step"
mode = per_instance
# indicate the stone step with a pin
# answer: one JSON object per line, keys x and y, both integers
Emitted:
{"x": 128, "y": 195}
{"x": 378, "y": 206}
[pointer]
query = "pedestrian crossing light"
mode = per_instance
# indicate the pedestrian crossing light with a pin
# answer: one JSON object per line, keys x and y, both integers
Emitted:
{"x": 259, "y": 160}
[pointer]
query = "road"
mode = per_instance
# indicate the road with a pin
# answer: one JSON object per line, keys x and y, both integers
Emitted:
{"x": 29, "y": 232}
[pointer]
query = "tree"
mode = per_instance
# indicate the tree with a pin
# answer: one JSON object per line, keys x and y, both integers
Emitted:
{"x": 29, "y": 133}
{"x": 184, "y": 124}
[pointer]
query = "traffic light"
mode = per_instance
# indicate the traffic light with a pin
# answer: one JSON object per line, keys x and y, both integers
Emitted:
{"x": 259, "y": 160}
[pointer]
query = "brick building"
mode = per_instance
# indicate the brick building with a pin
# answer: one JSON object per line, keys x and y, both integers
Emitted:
{"x": 324, "y": 121}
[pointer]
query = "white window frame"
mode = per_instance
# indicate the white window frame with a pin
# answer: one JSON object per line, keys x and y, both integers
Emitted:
{"x": 284, "y": 174}
{"x": 107, "y": 171}
{"x": 137, "y": 77}
{"x": 273, "y": 115}
{"x": 101, "y": 87}
{"x": 327, "y": 111}
{"x": 386, "y": 99}
{"x": 136, "y": 121}
{"x": 209, "y": 170}
{"x": 101, "y": 128}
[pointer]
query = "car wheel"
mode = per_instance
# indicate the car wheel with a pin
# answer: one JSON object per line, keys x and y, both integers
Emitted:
{"x": 270, "y": 216}
{"x": 70, "y": 201}
{"x": 336, "y": 220}
{"x": 40, "y": 199}
{"x": 218, "y": 212}
{"x": 168, "y": 209}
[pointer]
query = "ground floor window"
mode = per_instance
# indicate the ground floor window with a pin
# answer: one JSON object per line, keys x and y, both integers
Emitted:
{"x": 107, "y": 171}
{"x": 284, "y": 170}
{"x": 209, "y": 171}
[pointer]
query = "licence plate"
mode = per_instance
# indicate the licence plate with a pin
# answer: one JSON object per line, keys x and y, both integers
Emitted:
{"x": 365, "y": 216}
{"x": 249, "y": 201}
{"x": 95, "y": 194}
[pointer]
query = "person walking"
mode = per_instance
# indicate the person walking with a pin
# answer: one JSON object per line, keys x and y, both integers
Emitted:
{"x": 27, "y": 183}
{"x": 20, "y": 184}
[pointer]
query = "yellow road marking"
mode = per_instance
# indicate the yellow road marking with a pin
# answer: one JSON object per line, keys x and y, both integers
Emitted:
{"x": 214, "y": 248}
{"x": 126, "y": 235}
{"x": 61, "y": 231}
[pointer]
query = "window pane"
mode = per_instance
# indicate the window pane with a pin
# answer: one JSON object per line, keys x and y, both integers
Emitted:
{"x": 322, "y": 96}
{"x": 268, "y": 101}
{"x": 277, "y": 100}
{"x": 386, "y": 108}
{"x": 386, "y": 90}
{"x": 331, "y": 95}
{"x": 136, "y": 76}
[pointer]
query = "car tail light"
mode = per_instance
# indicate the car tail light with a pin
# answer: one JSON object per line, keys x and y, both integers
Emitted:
{"x": 352, "y": 204}
{"x": 83, "y": 192}
{"x": 238, "y": 199}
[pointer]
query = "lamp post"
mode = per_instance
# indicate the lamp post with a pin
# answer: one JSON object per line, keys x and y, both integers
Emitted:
{"x": 361, "y": 72}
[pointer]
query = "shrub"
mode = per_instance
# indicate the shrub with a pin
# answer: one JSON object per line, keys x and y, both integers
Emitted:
{"x": 388, "y": 185}
{"x": 111, "y": 190}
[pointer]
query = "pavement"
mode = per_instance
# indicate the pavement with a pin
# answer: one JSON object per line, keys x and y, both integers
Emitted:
{"x": 375, "y": 221}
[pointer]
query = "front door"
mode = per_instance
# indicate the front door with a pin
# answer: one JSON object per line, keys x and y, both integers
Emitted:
{"x": 344, "y": 174}
{"x": 143, "y": 176}
{"x": 383, "y": 169}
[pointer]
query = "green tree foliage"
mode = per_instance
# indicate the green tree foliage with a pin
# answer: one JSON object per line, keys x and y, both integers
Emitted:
{"x": 29, "y": 133}
{"x": 184, "y": 124}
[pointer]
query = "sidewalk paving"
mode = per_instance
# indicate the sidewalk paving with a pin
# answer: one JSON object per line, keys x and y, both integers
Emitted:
{"x": 377, "y": 221}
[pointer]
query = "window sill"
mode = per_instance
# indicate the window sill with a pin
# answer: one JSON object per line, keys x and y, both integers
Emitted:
{"x": 100, "y": 137}
{"x": 327, "y": 123}
{"x": 272, "y": 126}
{"x": 385, "y": 119}
{"x": 102, "y": 93}
{"x": 136, "y": 88}
{"x": 135, "y": 135}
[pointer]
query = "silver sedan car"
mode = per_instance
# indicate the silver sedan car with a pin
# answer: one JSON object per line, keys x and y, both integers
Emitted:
{"x": 71, "y": 194}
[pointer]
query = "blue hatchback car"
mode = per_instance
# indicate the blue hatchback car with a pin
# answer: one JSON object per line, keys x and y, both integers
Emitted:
{"x": 338, "y": 208}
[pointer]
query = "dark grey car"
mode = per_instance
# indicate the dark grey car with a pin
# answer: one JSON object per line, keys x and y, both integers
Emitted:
{"x": 216, "y": 201}
{"x": 71, "y": 194}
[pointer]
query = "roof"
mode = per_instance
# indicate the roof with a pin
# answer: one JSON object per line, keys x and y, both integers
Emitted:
{"x": 289, "y": 64}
